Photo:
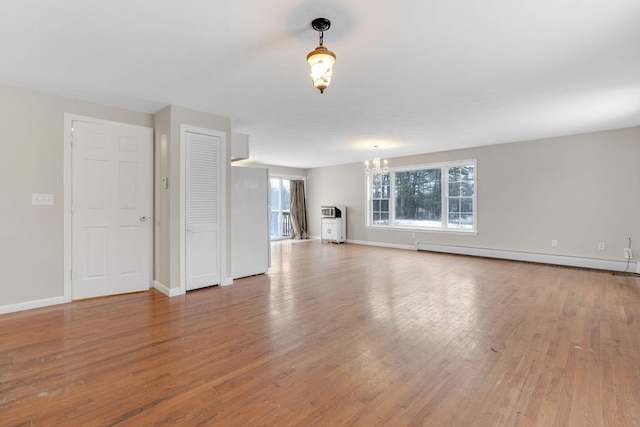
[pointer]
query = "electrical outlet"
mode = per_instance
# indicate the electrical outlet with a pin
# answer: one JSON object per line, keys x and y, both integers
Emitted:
{"x": 554, "y": 243}
{"x": 627, "y": 253}
{"x": 601, "y": 246}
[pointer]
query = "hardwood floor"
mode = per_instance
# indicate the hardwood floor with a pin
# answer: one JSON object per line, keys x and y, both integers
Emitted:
{"x": 338, "y": 335}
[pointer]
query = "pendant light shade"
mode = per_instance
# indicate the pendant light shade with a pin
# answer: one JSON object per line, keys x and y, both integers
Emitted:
{"x": 321, "y": 59}
{"x": 321, "y": 62}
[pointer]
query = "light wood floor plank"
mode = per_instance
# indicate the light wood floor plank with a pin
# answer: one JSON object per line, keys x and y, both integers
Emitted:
{"x": 338, "y": 335}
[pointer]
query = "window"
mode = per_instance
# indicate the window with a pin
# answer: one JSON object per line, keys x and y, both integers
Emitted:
{"x": 380, "y": 200}
{"x": 460, "y": 196}
{"x": 418, "y": 198}
{"x": 437, "y": 197}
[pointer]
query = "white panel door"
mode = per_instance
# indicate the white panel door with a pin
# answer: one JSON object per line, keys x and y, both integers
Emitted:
{"x": 202, "y": 246}
{"x": 111, "y": 208}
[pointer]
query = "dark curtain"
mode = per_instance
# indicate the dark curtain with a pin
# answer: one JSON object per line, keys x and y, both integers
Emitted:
{"x": 298, "y": 208}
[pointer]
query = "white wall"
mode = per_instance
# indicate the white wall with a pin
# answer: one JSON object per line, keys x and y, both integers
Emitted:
{"x": 273, "y": 170}
{"x": 579, "y": 189}
{"x": 167, "y": 125}
{"x": 31, "y": 161}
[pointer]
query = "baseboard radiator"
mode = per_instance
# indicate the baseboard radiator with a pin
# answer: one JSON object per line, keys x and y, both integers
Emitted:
{"x": 564, "y": 260}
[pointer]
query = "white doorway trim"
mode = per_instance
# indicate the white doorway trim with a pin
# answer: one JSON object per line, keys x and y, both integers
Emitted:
{"x": 67, "y": 192}
{"x": 222, "y": 201}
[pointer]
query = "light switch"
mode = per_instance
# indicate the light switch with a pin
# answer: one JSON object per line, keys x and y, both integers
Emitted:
{"x": 42, "y": 199}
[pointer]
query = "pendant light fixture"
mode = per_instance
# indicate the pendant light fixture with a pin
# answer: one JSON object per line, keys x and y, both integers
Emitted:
{"x": 321, "y": 59}
{"x": 378, "y": 167}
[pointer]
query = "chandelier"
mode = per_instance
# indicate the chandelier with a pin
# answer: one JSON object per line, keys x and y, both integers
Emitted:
{"x": 321, "y": 59}
{"x": 377, "y": 168}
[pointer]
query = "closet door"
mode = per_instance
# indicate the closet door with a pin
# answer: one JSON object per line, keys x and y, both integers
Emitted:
{"x": 202, "y": 234}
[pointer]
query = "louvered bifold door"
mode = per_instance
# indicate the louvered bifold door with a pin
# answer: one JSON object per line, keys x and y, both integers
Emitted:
{"x": 202, "y": 249}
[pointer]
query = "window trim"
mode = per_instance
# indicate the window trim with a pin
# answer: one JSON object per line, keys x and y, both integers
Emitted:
{"x": 444, "y": 167}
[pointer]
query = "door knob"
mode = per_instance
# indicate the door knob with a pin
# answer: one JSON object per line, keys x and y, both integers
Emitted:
{"x": 144, "y": 218}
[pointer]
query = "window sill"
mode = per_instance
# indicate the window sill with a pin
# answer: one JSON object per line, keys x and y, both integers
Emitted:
{"x": 422, "y": 230}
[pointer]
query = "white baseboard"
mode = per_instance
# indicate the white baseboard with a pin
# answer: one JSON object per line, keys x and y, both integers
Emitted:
{"x": 28, "y": 305}
{"x": 170, "y": 292}
{"x": 565, "y": 260}
{"x": 382, "y": 245}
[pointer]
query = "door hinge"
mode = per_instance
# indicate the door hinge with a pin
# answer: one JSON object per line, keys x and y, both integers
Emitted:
{"x": 72, "y": 208}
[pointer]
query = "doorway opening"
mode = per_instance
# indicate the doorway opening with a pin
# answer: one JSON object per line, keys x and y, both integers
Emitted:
{"x": 280, "y": 213}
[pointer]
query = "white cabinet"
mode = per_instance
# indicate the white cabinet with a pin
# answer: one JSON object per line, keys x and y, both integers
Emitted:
{"x": 334, "y": 229}
{"x": 331, "y": 229}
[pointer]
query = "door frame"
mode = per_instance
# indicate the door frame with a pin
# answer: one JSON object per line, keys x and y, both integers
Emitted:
{"x": 222, "y": 202}
{"x": 67, "y": 227}
{"x": 287, "y": 178}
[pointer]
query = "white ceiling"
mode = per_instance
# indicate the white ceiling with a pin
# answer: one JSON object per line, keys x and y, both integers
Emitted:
{"x": 412, "y": 76}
